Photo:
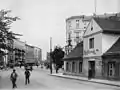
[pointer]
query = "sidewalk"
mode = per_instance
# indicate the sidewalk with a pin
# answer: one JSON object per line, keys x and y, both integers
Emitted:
{"x": 107, "y": 82}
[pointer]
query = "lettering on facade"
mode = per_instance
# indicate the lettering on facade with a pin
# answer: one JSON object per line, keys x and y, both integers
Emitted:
{"x": 86, "y": 52}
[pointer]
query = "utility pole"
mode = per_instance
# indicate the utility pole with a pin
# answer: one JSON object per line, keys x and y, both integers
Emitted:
{"x": 50, "y": 55}
{"x": 95, "y": 6}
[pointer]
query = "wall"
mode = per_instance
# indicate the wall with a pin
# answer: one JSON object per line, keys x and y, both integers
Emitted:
{"x": 95, "y": 33}
{"x": 29, "y": 54}
{"x": 92, "y": 54}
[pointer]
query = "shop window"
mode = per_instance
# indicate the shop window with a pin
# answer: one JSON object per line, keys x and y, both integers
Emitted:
{"x": 80, "y": 67}
{"x": 91, "y": 43}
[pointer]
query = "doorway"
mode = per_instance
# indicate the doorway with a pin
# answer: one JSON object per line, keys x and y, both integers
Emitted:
{"x": 91, "y": 69}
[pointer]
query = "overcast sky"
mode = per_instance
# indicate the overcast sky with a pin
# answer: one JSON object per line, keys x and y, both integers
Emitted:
{"x": 42, "y": 19}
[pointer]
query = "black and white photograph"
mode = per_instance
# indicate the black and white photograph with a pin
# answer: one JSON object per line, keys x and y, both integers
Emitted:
{"x": 59, "y": 44}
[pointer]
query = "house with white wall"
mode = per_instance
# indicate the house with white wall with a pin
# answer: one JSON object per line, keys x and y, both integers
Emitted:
{"x": 99, "y": 40}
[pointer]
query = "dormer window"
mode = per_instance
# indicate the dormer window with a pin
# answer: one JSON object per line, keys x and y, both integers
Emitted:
{"x": 91, "y": 28}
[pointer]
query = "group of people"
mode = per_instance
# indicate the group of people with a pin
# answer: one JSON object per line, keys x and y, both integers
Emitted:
{"x": 14, "y": 75}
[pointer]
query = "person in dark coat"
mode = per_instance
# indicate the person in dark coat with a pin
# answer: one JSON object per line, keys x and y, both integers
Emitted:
{"x": 27, "y": 76}
{"x": 13, "y": 78}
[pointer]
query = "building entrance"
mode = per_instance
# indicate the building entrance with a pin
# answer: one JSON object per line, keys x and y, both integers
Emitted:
{"x": 91, "y": 69}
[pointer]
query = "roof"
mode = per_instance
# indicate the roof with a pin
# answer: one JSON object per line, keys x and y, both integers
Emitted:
{"x": 108, "y": 24}
{"x": 115, "y": 49}
{"x": 77, "y": 52}
{"x": 89, "y": 17}
{"x": 81, "y": 16}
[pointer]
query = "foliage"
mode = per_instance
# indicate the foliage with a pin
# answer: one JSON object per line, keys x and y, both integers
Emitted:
{"x": 5, "y": 34}
{"x": 57, "y": 56}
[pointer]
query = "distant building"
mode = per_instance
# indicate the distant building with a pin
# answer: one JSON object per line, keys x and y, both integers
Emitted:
{"x": 11, "y": 60}
{"x": 19, "y": 52}
{"x": 29, "y": 57}
{"x": 38, "y": 54}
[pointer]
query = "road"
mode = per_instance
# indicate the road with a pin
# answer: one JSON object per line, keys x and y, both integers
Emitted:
{"x": 41, "y": 80}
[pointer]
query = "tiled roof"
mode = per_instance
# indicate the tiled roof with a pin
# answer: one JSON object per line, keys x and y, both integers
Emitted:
{"x": 108, "y": 25}
{"x": 77, "y": 52}
{"x": 89, "y": 17}
{"x": 81, "y": 16}
{"x": 115, "y": 49}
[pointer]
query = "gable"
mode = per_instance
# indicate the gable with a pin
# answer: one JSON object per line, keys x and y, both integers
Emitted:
{"x": 92, "y": 28}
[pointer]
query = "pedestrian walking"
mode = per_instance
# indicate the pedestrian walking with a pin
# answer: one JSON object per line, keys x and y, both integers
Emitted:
{"x": 13, "y": 78}
{"x": 27, "y": 76}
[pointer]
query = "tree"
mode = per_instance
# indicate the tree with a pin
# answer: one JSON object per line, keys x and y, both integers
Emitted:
{"x": 57, "y": 56}
{"x": 5, "y": 34}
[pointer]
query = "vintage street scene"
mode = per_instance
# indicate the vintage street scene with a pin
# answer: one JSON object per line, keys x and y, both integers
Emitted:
{"x": 59, "y": 44}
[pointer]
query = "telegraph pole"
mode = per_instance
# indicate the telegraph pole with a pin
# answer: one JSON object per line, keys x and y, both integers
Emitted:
{"x": 95, "y": 6}
{"x": 50, "y": 55}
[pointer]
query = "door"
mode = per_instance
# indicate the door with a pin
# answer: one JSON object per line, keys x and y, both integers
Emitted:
{"x": 92, "y": 68}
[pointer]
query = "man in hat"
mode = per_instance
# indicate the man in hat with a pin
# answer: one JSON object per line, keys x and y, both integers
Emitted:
{"x": 27, "y": 76}
{"x": 13, "y": 78}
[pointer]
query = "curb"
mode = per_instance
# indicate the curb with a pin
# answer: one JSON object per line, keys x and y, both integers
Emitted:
{"x": 85, "y": 80}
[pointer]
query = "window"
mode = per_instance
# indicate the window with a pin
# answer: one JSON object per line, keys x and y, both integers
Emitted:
{"x": 91, "y": 43}
{"x": 73, "y": 67}
{"x": 111, "y": 68}
{"x": 69, "y": 24}
{"x": 77, "y": 35}
{"x": 80, "y": 67}
{"x": 91, "y": 28}
{"x": 77, "y": 23}
{"x": 67, "y": 66}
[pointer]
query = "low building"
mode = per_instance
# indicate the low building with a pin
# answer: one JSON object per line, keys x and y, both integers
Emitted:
{"x": 74, "y": 60}
{"x": 38, "y": 55}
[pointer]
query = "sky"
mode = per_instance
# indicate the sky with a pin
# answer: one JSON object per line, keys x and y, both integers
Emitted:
{"x": 42, "y": 19}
